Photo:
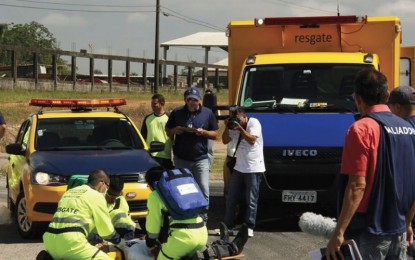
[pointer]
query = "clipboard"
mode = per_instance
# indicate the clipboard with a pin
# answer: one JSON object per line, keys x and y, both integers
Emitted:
{"x": 188, "y": 129}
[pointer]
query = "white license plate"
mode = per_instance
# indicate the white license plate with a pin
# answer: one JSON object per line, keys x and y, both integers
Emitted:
{"x": 299, "y": 196}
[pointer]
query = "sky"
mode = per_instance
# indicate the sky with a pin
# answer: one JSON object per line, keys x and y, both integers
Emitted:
{"x": 127, "y": 27}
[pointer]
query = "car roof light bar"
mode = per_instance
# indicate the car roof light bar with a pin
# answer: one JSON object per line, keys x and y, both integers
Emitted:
{"x": 311, "y": 20}
{"x": 112, "y": 102}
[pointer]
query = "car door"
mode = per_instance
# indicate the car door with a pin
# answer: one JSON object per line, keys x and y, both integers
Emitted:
{"x": 17, "y": 162}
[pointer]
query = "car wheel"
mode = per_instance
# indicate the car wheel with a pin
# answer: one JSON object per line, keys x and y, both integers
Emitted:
{"x": 26, "y": 227}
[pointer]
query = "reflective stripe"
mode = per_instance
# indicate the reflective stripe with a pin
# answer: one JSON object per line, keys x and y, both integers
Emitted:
{"x": 118, "y": 216}
{"x": 153, "y": 235}
{"x": 110, "y": 236}
{"x": 124, "y": 225}
{"x": 70, "y": 221}
{"x": 65, "y": 230}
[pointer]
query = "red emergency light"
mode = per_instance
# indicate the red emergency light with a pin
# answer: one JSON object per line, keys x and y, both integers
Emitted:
{"x": 310, "y": 20}
{"x": 112, "y": 102}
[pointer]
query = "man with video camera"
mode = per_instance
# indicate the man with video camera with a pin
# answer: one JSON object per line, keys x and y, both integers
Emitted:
{"x": 247, "y": 172}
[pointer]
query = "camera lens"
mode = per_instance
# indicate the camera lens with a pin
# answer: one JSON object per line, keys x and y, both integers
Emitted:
{"x": 231, "y": 123}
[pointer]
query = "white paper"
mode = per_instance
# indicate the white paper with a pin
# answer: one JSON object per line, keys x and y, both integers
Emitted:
{"x": 293, "y": 101}
{"x": 315, "y": 254}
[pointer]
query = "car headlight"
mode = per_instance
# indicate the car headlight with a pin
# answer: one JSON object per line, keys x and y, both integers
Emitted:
{"x": 44, "y": 178}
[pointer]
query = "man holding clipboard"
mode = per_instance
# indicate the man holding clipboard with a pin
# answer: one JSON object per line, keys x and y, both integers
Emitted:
{"x": 190, "y": 126}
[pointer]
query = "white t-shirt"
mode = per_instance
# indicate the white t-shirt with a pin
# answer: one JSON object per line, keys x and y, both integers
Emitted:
{"x": 251, "y": 157}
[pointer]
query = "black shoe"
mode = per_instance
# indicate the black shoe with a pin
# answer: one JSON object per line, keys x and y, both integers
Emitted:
{"x": 241, "y": 238}
{"x": 224, "y": 232}
{"x": 44, "y": 255}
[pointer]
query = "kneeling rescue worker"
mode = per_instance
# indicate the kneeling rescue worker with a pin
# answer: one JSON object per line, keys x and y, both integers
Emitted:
{"x": 81, "y": 210}
{"x": 119, "y": 209}
{"x": 185, "y": 237}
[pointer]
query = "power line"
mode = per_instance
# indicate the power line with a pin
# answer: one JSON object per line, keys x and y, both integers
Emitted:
{"x": 89, "y": 5}
{"x": 77, "y": 10}
{"x": 191, "y": 20}
{"x": 288, "y": 3}
{"x": 170, "y": 13}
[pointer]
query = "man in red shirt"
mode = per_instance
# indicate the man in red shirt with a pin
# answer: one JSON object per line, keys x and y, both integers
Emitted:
{"x": 379, "y": 176}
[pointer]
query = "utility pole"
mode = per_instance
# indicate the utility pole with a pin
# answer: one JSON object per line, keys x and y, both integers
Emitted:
{"x": 156, "y": 50}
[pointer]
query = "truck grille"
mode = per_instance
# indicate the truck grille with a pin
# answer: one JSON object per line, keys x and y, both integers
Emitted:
{"x": 300, "y": 181}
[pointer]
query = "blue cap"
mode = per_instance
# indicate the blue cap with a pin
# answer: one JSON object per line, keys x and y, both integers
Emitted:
{"x": 192, "y": 92}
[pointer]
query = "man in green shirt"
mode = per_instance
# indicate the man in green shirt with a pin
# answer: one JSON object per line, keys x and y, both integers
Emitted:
{"x": 153, "y": 129}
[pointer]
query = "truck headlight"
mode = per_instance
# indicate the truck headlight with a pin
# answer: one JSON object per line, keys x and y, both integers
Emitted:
{"x": 44, "y": 178}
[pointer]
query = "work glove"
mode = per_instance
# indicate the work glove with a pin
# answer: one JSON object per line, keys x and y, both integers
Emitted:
{"x": 122, "y": 243}
{"x": 151, "y": 242}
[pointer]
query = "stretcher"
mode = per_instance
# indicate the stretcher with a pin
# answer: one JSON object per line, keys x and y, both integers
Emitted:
{"x": 238, "y": 256}
{"x": 118, "y": 256}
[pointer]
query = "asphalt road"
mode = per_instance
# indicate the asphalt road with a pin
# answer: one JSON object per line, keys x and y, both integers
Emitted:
{"x": 276, "y": 237}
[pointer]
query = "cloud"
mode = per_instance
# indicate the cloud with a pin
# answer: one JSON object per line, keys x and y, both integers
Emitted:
{"x": 402, "y": 7}
{"x": 138, "y": 17}
{"x": 61, "y": 20}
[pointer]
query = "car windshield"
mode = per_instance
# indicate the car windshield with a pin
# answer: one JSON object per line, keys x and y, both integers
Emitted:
{"x": 86, "y": 134}
{"x": 300, "y": 87}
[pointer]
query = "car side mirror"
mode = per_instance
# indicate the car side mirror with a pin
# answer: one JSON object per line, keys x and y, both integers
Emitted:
{"x": 156, "y": 146}
{"x": 15, "y": 149}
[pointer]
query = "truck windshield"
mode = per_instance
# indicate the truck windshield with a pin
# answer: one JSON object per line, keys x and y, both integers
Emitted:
{"x": 308, "y": 87}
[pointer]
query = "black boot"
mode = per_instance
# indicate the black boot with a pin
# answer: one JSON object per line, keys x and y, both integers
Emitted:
{"x": 223, "y": 249}
{"x": 241, "y": 238}
{"x": 224, "y": 232}
{"x": 44, "y": 255}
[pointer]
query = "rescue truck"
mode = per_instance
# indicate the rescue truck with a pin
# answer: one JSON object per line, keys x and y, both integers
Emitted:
{"x": 296, "y": 76}
{"x": 406, "y": 66}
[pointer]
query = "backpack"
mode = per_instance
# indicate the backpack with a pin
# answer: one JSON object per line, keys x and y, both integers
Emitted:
{"x": 181, "y": 194}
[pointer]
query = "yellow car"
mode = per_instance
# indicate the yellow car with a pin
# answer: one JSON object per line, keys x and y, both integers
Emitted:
{"x": 53, "y": 145}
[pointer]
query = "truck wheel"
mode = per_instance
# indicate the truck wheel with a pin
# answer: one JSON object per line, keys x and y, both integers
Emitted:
{"x": 25, "y": 226}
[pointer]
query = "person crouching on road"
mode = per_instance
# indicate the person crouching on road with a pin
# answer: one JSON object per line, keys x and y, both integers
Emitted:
{"x": 119, "y": 209}
{"x": 81, "y": 210}
{"x": 185, "y": 236}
